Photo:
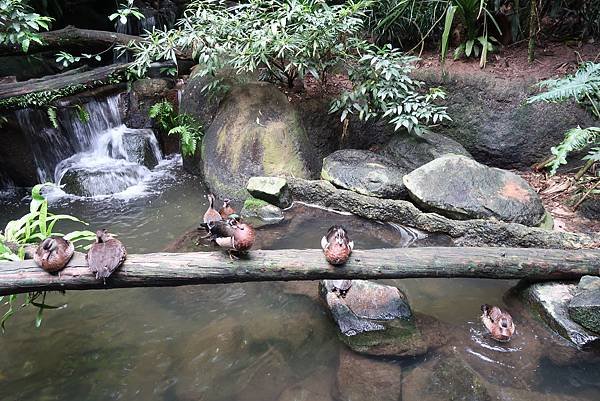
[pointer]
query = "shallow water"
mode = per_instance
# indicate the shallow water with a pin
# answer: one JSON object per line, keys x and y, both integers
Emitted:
{"x": 253, "y": 341}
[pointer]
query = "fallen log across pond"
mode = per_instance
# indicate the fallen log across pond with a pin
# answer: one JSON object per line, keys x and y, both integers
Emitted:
{"x": 175, "y": 269}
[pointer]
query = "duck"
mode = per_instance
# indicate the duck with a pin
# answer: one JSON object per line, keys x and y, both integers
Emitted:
{"x": 53, "y": 254}
{"x": 498, "y": 323}
{"x": 336, "y": 245}
{"x": 232, "y": 234}
{"x": 226, "y": 210}
{"x": 106, "y": 255}
{"x": 211, "y": 214}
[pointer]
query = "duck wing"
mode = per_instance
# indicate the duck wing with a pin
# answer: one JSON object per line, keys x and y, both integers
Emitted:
{"x": 105, "y": 257}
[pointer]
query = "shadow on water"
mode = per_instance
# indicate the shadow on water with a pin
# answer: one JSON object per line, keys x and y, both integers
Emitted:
{"x": 251, "y": 341}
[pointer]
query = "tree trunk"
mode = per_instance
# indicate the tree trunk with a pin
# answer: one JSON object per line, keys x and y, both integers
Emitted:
{"x": 174, "y": 269}
{"x": 90, "y": 78}
{"x": 533, "y": 13}
{"x": 71, "y": 37}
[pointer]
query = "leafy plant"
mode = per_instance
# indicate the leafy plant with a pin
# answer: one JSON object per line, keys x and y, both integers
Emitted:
{"x": 185, "y": 126}
{"x": 584, "y": 88}
{"x": 125, "y": 11}
{"x": 66, "y": 59}
{"x": 20, "y": 26}
{"x": 32, "y": 228}
{"x": 82, "y": 113}
{"x": 385, "y": 90}
{"x": 474, "y": 14}
{"x": 51, "y": 111}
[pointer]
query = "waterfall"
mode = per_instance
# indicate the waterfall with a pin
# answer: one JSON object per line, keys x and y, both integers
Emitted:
{"x": 100, "y": 156}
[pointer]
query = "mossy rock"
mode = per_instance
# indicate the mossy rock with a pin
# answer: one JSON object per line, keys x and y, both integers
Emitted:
{"x": 260, "y": 212}
{"x": 256, "y": 132}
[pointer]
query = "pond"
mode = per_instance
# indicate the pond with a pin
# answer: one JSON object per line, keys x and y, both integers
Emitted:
{"x": 257, "y": 341}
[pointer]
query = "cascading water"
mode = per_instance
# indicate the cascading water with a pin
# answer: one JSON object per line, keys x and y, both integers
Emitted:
{"x": 98, "y": 157}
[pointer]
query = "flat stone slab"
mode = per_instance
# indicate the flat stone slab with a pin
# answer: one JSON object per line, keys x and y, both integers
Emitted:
{"x": 550, "y": 300}
{"x": 364, "y": 172}
{"x": 270, "y": 189}
{"x": 461, "y": 188}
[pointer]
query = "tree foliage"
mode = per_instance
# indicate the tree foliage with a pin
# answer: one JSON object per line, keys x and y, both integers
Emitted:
{"x": 19, "y": 25}
{"x": 186, "y": 127}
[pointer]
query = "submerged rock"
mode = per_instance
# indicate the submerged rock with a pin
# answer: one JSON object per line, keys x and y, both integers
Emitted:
{"x": 411, "y": 152}
{"x": 102, "y": 180}
{"x": 445, "y": 378}
{"x": 274, "y": 190}
{"x": 256, "y": 132}
{"x": 584, "y": 308}
{"x": 461, "y": 188}
{"x": 550, "y": 301}
{"x": 367, "y": 379}
{"x": 376, "y": 319}
{"x": 364, "y": 172}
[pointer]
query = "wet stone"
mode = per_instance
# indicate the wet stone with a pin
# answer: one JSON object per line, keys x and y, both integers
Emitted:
{"x": 584, "y": 308}
{"x": 261, "y": 210}
{"x": 376, "y": 319}
{"x": 273, "y": 190}
{"x": 550, "y": 301}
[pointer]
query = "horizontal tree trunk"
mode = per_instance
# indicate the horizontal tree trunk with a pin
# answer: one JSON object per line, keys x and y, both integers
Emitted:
{"x": 70, "y": 36}
{"x": 174, "y": 269}
{"x": 90, "y": 78}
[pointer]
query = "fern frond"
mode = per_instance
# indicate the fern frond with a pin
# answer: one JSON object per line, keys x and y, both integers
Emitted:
{"x": 82, "y": 113}
{"x": 575, "y": 139}
{"x": 594, "y": 155}
{"x": 585, "y": 82}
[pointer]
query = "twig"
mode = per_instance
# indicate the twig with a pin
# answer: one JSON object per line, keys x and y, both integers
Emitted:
{"x": 586, "y": 195}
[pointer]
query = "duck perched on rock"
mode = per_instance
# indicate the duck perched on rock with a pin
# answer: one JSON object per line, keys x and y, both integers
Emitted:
{"x": 53, "y": 254}
{"x": 498, "y": 323}
{"x": 226, "y": 210}
{"x": 232, "y": 234}
{"x": 211, "y": 214}
{"x": 106, "y": 255}
{"x": 336, "y": 245}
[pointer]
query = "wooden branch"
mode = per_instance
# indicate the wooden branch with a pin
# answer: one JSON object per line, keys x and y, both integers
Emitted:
{"x": 174, "y": 269}
{"x": 71, "y": 36}
{"x": 59, "y": 81}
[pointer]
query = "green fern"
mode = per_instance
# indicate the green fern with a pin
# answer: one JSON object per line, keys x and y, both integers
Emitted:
{"x": 163, "y": 112}
{"x": 583, "y": 87}
{"x": 51, "y": 111}
{"x": 575, "y": 139}
{"x": 188, "y": 137}
{"x": 82, "y": 113}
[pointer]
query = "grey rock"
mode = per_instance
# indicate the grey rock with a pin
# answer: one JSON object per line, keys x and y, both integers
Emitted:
{"x": 261, "y": 210}
{"x": 256, "y": 132}
{"x": 410, "y": 151}
{"x": 491, "y": 120}
{"x": 550, "y": 301}
{"x": 590, "y": 208}
{"x": 376, "y": 319}
{"x": 584, "y": 308}
{"x": 141, "y": 147}
{"x": 364, "y": 172}
{"x": 104, "y": 180}
{"x": 270, "y": 189}
{"x": 461, "y": 188}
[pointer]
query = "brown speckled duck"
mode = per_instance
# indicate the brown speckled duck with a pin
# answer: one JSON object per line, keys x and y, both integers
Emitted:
{"x": 232, "y": 234}
{"x": 53, "y": 254}
{"x": 211, "y": 214}
{"x": 336, "y": 245}
{"x": 226, "y": 210}
{"x": 106, "y": 255}
{"x": 498, "y": 323}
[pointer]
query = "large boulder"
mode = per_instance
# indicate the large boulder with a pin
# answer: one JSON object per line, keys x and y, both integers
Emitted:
{"x": 364, "y": 172}
{"x": 461, "y": 188}
{"x": 550, "y": 301}
{"x": 376, "y": 319}
{"x": 412, "y": 151}
{"x": 256, "y": 132}
{"x": 492, "y": 121}
{"x": 584, "y": 308}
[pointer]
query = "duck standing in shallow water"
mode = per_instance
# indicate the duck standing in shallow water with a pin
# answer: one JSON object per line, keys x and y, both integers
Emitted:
{"x": 106, "y": 255}
{"x": 226, "y": 210}
{"x": 53, "y": 254}
{"x": 498, "y": 323}
{"x": 232, "y": 235}
{"x": 336, "y": 245}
